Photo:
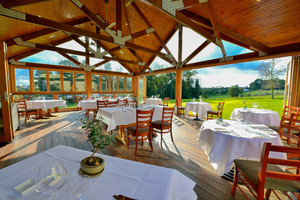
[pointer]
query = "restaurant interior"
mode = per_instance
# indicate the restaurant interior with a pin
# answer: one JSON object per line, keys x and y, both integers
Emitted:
{"x": 115, "y": 142}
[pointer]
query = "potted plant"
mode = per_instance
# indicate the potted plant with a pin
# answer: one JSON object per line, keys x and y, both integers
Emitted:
{"x": 93, "y": 165}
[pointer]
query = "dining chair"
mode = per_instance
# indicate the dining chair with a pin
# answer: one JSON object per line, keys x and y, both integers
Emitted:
{"x": 289, "y": 129}
{"x": 142, "y": 130}
{"x": 24, "y": 112}
{"x": 180, "y": 109}
{"x": 123, "y": 102}
{"x": 100, "y": 104}
{"x": 112, "y": 104}
{"x": 165, "y": 124}
{"x": 218, "y": 113}
{"x": 289, "y": 110}
{"x": 266, "y": 173}
{"x": 166, "y": 101}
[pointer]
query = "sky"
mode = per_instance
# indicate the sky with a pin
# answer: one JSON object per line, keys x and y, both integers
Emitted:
{"x": 241, "y": 74}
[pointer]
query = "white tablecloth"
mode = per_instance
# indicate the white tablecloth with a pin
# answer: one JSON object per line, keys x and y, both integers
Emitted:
{"x": 45, "y": 104}
{"x": 116, "y": 116}
{"x": 200, "y": 108}
{"x": 257, "y": 116}
{"x": 156, "y": 101}
{"x": 229, "y": 140}
{"x": 90, "y": 104}
{"x": 129, "y": 178}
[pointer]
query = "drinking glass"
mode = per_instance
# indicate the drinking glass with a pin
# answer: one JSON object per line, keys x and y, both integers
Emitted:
{"x": 51, "y": 176}
{"x": 80, "y": 189}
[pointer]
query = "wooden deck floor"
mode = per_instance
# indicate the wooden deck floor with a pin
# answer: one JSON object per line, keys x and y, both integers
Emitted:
{"x": 184, "y": 154}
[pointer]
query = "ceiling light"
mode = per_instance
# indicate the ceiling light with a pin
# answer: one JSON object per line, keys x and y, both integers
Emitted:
{"x": 126, "y": 24}
{"x": 51, "y": 36}
{"x": 121, "y": 52}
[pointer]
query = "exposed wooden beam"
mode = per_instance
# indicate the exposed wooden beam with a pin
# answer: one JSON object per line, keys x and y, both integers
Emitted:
{"x": 34, "y": 51}
{"x": 254, "y": 56}
{"x": 212, "y": 20}
{"x": 198, "y": 29}
{"x": 73, "y": 60}
{"x": 166, "y": 41}
{"x": 139, "y": 59}
{"x": 16, "y": 3}
{"x": 48, "y": 66}
{"x": 180, "y": 45}
{"x": 196, "y": 51}
{"x": 100, "y": 63}
{"x": 87, "y": 58}
{"x": 46, "y": 31}
{"x": 141, "y": 14}
{"x": 67, "y": 28}
{"x": 119, "y": 17}
{"x": 198, "y": 19}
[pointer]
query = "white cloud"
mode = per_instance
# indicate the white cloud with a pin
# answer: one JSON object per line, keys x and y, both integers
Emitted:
{"x": 226, "y": 77}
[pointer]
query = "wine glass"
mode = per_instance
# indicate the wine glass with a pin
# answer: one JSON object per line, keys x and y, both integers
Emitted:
{"x": 51, "y": 176}
{"x": 80, "y": 189}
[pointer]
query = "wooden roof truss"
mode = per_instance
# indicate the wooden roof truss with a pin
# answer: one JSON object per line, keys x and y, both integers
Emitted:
{"x": 199, "y": 15}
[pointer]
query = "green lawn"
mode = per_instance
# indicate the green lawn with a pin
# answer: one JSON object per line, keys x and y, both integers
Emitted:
{"x": 265, "y": 102}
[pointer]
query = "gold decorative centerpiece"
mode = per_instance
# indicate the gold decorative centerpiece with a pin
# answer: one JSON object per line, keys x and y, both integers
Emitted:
{"x": 93, "y": 166}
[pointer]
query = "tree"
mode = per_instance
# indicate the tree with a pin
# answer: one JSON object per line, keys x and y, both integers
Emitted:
{"x": 256, "y": 85}
{"x": 197, "y": 89}
{"x": 234, "y": 91}
{"x": 268, "y": 71}
{"x": 187, "y": 83}
{"x": 107, "y": 66}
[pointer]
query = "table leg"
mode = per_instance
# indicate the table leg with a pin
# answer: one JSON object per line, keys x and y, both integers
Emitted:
{"x": 40, "y": 114}
{"x": 121, "y": 135}
{"x": 48, "y": 114}
{"x": 197, "y": 118}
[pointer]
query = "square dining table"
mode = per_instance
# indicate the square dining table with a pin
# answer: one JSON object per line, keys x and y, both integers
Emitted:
{"x": 125, "y": 117}
{"x": 129, "y": 178}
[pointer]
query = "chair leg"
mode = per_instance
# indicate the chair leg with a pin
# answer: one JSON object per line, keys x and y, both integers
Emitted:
{"x": 171, "y": 134}
{"x": 25, "y": 118}
{"x": 150, "y": 140}
{"x": 136, "y": 144}
{"x": 268, "y": 193}
{"x": 36, "y": 115}
{"x": 161, "y": 138}
{"x": 235, "y": 180}
{"x": 127, "y": 143}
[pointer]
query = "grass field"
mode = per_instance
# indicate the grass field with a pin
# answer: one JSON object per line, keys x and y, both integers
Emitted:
{"x": 265, "y": 102}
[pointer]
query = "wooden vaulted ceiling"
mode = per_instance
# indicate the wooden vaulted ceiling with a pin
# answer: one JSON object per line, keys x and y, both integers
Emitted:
{"x": 141, "y": 29}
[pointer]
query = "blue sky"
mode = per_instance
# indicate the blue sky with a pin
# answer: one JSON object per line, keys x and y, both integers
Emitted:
{"x": 241, "y": 74}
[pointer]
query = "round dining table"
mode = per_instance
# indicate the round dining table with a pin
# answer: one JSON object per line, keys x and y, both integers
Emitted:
{"x": 228, "y": 140}
{"x": 200, "y": 108}
{"x": 256, "y": 116}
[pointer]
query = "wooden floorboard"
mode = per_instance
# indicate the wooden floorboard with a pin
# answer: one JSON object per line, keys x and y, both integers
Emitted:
{"x": 183, "y": 155}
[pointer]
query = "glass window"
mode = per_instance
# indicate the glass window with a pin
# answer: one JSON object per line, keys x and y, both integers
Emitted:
{"x": 80, "y": 83}
{"x": 22, "y": 79}
{"x": 128, "y": 84}
{"x": 121, "y": 83}
{"x": 71, "y": 100}
{"x": 95, "y": 82}
{"x": 40, "y": 82}
{"x": 113, "y": 83}
{"x": 104, "y": 81}
{"x": 54, "y": 78}
{"x": 141, "y": 89}
{"x": 68, "y": 81}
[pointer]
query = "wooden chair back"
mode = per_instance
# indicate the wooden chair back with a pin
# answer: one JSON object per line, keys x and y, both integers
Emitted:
{"x": 101, "y": 104}
{"x": 143, "y": 120}
{"x": 166, "y": 101}
{"x": 265, "y": 160}
{"x": 167, "y": 116}
{"x": 289, "y": 129}
{"x": 144, "y": 98}
{"x": 21, "y": 105}
{"x": 123, "y": 102}
{"x": 112, "y": 104}
{"x": 289, "y": 110}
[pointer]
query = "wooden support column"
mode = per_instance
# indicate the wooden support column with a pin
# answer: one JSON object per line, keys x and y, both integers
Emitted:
{"x": 88, "y": 84}
{"x": 87, "y": 58}
{"x": 6, "y": 134}
{"x": 135, "y": 87}
{"x": 294, "y": 88}
{"x": 178, "y": 88}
